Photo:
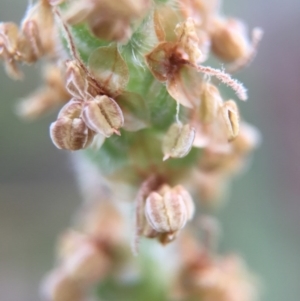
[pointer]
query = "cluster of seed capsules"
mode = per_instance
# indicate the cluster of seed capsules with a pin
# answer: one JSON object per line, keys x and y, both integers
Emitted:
{"x": 109, "y": 90}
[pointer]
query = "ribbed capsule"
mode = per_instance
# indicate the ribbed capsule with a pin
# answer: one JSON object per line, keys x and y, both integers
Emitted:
{"x": 167, "y": 213}
{"x": 187, "y": 199}
{"x": 211, "y": 101}
{"x": 58, "y": 286}
{"x": 229, "y": 39}
{"x": 168, "y": 209}
{"x": 103, "y": 115}
{"x": 87, "y": 264}
{"x": 231, "y": 117}
{"x": 69, "y": 131}
{"x": 178, "y": 141}
{"x": 76, "y": 82}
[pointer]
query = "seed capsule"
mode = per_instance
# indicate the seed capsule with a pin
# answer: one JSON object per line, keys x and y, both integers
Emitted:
{"x": 231, "y": 117}
{"x": 178, "y": 141}
{"x": 69, "y": 131}
{"x": 59, "y": 287}
{"x": 103, "y": 115}
{"x": 76, "y": 82}
{"x": 229, "y": 40}
{"x": 31, "y": 32}
{"x": 210, "y": 102}
{"x": 166, "y": 213}
{"x": 188, "y": 201}
{"x": 168, "y": 210}
{"x": 87, "y": 264}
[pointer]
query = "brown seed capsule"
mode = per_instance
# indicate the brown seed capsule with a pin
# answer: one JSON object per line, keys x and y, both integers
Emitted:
{"x": 166, "y": 213}
{"x": 87, "y": 264}
{"x": 31, "y": 32}
{"x": 229, "y": 40}
{"x": 76, "y": 82}
{"x": 9, "y": 40}
{"x": 210, "y": 103}
{"x": 231, "y": 117}
{"x": 70, "y": 134}
{"x": 103, "y": 115}
{"x": 69, "y": 131}
{"x": 59, "y": 287}
{"x": 178, "y": 141}
{"x": 186, "y": 197}
{"x": 38, "y": 26}
{"x": 248, "y": 139}
{"x": 9, "y": 34}
{"x": 108, "y": 20}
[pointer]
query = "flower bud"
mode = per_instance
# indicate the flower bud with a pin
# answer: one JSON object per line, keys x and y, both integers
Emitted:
{"x": 231, "y": 117}
{"x": 178, "y": 141}
{"x": 103, "y": 115}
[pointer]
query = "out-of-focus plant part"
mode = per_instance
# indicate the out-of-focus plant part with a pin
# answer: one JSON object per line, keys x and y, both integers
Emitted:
{"x": 157, "y": 143}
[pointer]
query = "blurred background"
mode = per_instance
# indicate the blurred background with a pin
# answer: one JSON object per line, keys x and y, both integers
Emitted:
{"x": 261, "y": 221}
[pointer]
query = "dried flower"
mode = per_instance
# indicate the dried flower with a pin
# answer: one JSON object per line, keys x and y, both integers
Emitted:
{"x": 167, "y": 59}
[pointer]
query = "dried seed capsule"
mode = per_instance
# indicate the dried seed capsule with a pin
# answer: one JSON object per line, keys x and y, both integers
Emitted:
{"x": 69, "y": 131}
{"x": 59, "y": 287}
{"x": 31, "y": 32}
{"x": 70, "y": 134}
{"x": 230, "y": 41}
{"x": 178, "y": 141}
{"x": 248, "y": 139}
{"x": 39, "y": 28}
{"x": 9, "y": 36}
{"x": 167, "y": 213}
{"x": 231, "y": 117}
{"x": 87, "y": 264}
{"x": 103, "y": 115}
{"x": 186, "y": 197}
{"x": 210, "y": 103}
{"x": 76, "y": 82}
{"x": 71, "y": 110}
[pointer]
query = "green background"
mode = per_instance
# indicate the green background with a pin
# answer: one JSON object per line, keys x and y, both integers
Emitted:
{"x": 261, "y": 219}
